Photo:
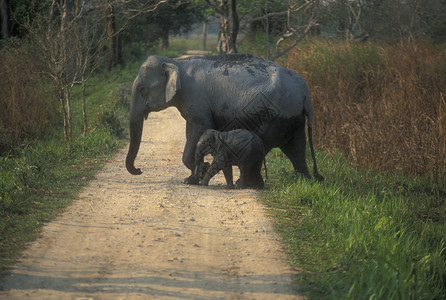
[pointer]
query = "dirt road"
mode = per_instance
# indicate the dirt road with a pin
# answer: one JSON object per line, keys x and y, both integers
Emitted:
{"x": 153, "y": 237}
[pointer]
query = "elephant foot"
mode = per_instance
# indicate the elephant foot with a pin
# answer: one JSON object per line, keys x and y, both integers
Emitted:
{"x": 319, "y": 177}
{"x": 192, "y": 179}
{"x": 256, "y": 186}
{"x": 203, "y": 183}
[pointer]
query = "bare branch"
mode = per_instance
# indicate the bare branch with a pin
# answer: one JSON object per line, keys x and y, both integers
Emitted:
{"x": 297, "y": 33}
{"x": 281, "y": 13}
{"x": 147, "y": 10}
{"x": 296, "y": 42}
{"x": 85, "y": 9}
{"x": 216, "y": 8}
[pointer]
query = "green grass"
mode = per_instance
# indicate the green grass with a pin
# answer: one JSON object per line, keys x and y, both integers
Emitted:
{"x": 39, "y": 184}
{"x": 38, "y": 181}
{"x": 360, "y": 235}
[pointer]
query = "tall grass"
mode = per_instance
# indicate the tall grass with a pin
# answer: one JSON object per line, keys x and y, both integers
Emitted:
{"x": 360, "y": 235}
{"x": 384, "y": 106}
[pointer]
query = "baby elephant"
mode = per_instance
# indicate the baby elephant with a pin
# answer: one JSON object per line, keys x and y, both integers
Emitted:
{"x": 238, "y": 147}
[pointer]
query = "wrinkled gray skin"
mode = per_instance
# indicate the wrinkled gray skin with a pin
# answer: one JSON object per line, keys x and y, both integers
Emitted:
{"x": 225, "y": 92}
{"x": 237, "y": 147}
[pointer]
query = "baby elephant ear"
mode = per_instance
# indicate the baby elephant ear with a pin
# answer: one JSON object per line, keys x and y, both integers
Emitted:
{"x": 173, "y": 83}
{"x": 217, "y": 140}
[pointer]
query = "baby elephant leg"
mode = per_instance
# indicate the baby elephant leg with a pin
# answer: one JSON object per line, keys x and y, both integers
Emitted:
{"x": 213, "y": 169}
{"x": 227, "y": 171}
{"x": 200, "y": 169}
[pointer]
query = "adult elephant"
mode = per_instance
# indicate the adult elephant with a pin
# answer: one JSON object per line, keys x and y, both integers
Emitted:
{"x": 225, "y": 92}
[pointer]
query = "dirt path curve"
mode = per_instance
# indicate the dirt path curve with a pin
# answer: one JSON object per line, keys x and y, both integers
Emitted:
{"x": 152, "y": 237}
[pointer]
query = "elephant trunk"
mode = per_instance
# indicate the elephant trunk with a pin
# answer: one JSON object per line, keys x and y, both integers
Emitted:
{"x": 136, "y": 126}
{"x": 135, "y": 141}
{"x": 200, "y": 166}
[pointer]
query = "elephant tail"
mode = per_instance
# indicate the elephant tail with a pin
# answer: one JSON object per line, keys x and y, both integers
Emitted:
{"x": 309, "y": 112}
{"x": 266, "y": 170}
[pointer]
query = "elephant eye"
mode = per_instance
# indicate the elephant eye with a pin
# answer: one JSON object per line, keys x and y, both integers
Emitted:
{"x": 142, "y": 90}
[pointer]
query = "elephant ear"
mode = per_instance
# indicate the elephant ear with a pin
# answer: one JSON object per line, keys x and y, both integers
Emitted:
{"x": 173, "y": 83}
{"x": 218, "y": 140}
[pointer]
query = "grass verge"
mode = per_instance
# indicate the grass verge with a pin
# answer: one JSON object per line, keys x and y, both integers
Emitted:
{"x": 39, "y": 180}
{"x": 360, "y": 235}
{"x": 43, "y": 181}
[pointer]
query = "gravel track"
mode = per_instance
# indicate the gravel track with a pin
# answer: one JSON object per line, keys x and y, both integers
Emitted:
{"x": 153, "y": 237}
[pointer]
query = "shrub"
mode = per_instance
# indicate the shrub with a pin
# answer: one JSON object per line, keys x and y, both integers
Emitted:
{"x": 26, "y": 111}
{"x": 383, "y": 106}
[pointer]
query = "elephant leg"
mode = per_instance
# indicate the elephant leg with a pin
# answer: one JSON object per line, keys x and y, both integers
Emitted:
{"x": 193, "y": 133}
{"x": 213, "y": 169}
{"x": 257, "y": 179}
{"x": 253, "y": 177}
{"x": 228, "y": 176}
{"x": 295, "y": 151}
{"x": 241, "y": 182}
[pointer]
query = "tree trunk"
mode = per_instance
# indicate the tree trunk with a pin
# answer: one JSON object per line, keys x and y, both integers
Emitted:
{"x": 69, "y": 60}
{"x": 235, "y": 24}
{"x": 84, "y": 111}
{"x": 64, "y": 112}
{"x": 204, "y": 34}
{"x": 115, "y": 51}
{"x": 165, "y": 39}
{"x": 222, "y": 45}
{"x": 5, "y": 19}
{"x": 229, "y": 27}
{"x": 69, "y": 117}
{"x": 265, "y": 23}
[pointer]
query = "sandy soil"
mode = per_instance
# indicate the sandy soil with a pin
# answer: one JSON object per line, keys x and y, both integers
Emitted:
{"x": 153, "y": 237}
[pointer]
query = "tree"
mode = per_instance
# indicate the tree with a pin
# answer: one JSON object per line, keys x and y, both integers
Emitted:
{"x": 115, "y": 46}
{"x": 90, "y": 40}
{"x": 301, "y": 17}
{"x": 391, "y": 20}
{"x": 16, "y": 14}
{"x": 297, "y": 18}
{"x": 4, "y": 15}
{"x": 229, "y": 24}
{"x": 175, "y": 17}
{"x": 60, "y": 37}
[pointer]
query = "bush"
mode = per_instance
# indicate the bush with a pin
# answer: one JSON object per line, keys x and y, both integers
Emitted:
{"x": 109, "y": 119}
{"x": 383, "y": 106}
{"x": 112, "y": 116}
{"x": 26, "y": 110}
